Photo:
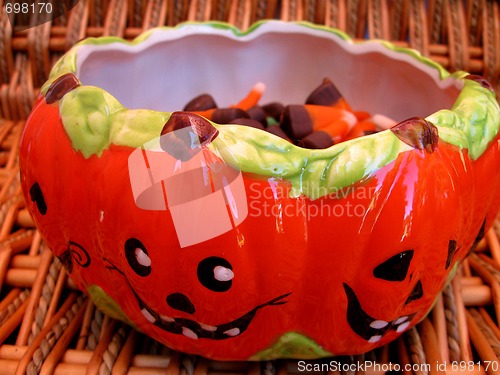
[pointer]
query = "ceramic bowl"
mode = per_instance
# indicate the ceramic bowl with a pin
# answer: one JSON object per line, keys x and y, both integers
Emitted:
{"x": 232, "y": 243}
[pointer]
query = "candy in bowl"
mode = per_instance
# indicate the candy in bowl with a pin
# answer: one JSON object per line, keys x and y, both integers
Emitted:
{"x": 241, "y": 242}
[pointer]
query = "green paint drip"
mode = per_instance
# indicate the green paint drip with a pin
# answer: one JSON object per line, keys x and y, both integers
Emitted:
{"x": 292, "y": 345}
{"x": 86, "y": 115}
{"x": 107, "y": 304}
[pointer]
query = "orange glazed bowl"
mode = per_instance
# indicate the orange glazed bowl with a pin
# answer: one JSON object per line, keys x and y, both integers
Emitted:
{"x": 231, "y": 242}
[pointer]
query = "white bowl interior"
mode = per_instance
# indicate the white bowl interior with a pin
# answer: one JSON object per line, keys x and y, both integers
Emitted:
{"x": 171, "y": 67}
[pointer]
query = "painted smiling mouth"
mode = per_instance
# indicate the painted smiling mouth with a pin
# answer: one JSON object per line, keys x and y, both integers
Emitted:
{"x": 369, "y": 328}
{"x": 195, "y": 330}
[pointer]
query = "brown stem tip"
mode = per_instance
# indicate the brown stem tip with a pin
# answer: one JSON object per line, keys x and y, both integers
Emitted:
{"x": 417, "y": 133}
{"x": 185, "y": 133}
{"x": 61, "y": 87}
{"x": 481, "y": 80}
{"x": 205, "y": 131}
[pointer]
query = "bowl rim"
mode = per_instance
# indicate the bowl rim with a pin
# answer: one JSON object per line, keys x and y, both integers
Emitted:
{"x": 87, "y": 46}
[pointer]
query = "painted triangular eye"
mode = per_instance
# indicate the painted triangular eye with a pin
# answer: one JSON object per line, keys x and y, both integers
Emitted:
{"x": 416, "y": 293}
{"x": 480, "y": 234}
{"x": 37, "y": 197}
{"x": 395, "y": 268}
{"x": 452, "y": 250}
{"x": 216, "y": 274}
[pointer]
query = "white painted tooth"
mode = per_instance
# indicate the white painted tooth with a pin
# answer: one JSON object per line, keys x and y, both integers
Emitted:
{"x": 375, "y": 338}
{"x": 149, "y": 317}
{"x": 207, "y": 327}
{"x": 379, "y": 324}
{"x": 232, "y": 332}
{"x": 402, "y": 327}
{"x": 401, "y": 320}
{"x": 167, "y": 319}
{"x": 188, "y": 333}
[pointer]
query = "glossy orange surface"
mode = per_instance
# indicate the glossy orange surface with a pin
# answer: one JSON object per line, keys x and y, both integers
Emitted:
{"x": 350, "y": 271}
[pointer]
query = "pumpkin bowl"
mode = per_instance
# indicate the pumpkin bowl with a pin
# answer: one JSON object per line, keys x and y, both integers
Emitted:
{"x": 237, "y": 244}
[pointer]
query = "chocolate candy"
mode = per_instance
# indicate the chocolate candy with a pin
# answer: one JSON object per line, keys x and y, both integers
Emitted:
{"x": 325, "y": 94}
{"x": 226, "y": 115}
{"x": 247, "y": 122}
{"x": 258, "y": 114}
{"x": 481, "y": 80}
{"x": 296, "y": 122}
{"x": 201, "y": 103}
{"x": 274, "y": 110}
{"x": 276, "y": 130}
{"x": 316, "y": 140}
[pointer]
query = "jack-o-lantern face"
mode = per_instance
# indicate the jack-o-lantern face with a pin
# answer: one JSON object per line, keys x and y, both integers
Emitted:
{"x": 214, "y": 273}
{"x": 393, "y": 269}
{"x": 361, "y": 267}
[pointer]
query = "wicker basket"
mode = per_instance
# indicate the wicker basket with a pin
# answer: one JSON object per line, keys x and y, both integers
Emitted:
{"x": 46, "y": 326}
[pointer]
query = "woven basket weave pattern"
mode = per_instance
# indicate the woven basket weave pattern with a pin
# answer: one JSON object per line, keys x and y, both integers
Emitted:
{"x": 46, "y": 326}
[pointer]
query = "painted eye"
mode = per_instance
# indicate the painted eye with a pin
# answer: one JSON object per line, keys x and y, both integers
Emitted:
{"x": 395, "y": 268}
{"x": 137, "y": 257}
{"x": 215, "y": 273}
{"x": 37, "y": 197}
{"x": 223, "y": 274}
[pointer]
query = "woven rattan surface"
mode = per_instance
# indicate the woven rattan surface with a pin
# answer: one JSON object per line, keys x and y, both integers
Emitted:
{"x": 46, "y": 326}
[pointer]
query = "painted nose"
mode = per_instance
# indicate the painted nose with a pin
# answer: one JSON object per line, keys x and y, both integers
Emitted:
{"x": 179, "y": 301}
